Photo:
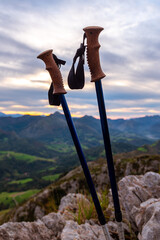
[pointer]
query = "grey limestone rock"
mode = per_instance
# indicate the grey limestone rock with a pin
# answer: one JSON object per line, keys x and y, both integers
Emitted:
{"x": 48, "y": 228}
{"x": 140, "y": 197}
{"x": 148, "y": 219}
{"x": 73, "y": 231}
{"x": 69, "y": 205}
{"x": 38, "y": 213}
{"x": 26, "y": 231}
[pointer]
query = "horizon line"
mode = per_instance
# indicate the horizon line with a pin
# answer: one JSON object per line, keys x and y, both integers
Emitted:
{"x": 12, "y": 113}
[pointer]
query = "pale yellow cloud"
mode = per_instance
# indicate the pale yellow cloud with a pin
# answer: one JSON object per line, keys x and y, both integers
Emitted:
{"x": 127, "y": 110}
{"x": 19, "y": 107}
{"x": 35, "y": 80}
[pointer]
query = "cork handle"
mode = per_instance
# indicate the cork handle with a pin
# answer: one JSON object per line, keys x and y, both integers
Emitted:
{"x": 92, "y": 34}
{"x": 54, "y": 71}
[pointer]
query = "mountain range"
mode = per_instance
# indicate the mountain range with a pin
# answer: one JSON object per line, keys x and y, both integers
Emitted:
{"x": 53, "y": 128}
{"x": 31, "y": 134}
{"x": 37, "y": 149}
{"x": 9, "y": 115}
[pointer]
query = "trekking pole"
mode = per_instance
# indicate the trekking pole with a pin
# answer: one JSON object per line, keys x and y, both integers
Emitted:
{"x": 56, "y": 77}
{"x": 97, "y": 74}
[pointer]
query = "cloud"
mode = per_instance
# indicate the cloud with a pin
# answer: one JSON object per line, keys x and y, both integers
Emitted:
{"x": 16, "y": 58}
{"x": 129, "y": 53}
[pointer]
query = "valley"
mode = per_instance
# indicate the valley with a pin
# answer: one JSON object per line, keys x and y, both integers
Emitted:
{"x": 37, "y": 150}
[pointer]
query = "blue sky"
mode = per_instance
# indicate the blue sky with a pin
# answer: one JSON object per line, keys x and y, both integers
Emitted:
{"x": 129, "y": 53}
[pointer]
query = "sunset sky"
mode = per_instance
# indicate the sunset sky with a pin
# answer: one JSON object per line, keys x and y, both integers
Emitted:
{"x": 129, "y": 53}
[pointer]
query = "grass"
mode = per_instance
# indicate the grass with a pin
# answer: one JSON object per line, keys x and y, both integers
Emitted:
{"x": 23, "y": 157}
{"x": 154, "y": 144}
{"x": 142, "y": 149}
{"x": 6, "y": 200}
{"x": 21, "y": 181}
{"x": 51, "y": 177}
{"x": 10, "y": 200}
{"x": 65, "y": 148}
{"x": 87, "y": 211}
{"x": 52, "y": 168}
{"x": 4, "y": 212}
{"x": 25, "y": 195}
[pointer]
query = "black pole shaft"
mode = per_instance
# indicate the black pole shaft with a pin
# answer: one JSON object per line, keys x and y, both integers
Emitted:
{"x": 108, "y": 150}
{"x": 82, "y": 160}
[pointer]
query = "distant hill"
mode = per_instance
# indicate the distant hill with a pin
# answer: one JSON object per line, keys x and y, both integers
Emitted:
{"x": 153, "y": 149}
{"x": 54, "y": 128}
{"x": 9, "y": 115}
{"x": 16, "y": 134}
{"x": 146, "y": 127}
{"x": 2, "y": 114}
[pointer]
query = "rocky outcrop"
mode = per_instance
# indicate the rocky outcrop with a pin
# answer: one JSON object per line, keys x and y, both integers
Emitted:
{"x": 69, "y": 205}
{"x": 140, "y": 197}
{"x": 57, "y": 226}
{"x": 48, "y": 200}
{"x": 135, "y": 164}
{"x": 75, "y": 181}
{"x": 51, "y": 227}
{"x": 82, "y": 232}
{"x": 48, "y": 228}
{"x": 147, "y": 219}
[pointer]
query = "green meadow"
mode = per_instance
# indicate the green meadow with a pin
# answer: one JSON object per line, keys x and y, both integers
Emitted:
{"x": 51, "y": 177}
{"x": 10, "y": 200}
{"x": 21, "y": 181}
{"x": 22, "y": 157}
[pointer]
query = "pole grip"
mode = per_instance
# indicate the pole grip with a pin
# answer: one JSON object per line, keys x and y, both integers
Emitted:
{"x": 92, "y": 34}
{"x": 53, "y": 70}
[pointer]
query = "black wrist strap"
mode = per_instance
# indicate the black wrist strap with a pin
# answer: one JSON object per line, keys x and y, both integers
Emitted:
{"x": 76, "y": 78}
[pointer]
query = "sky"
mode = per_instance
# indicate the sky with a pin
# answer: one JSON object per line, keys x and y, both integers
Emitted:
{"x": 129, "y": 55}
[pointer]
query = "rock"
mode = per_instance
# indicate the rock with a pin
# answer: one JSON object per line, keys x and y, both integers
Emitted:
{"x": 82, "y": 232}
{"x": 69, "y": 205}
{"x": 148, "y": 219}
{"x": 48, "y": 228}
{"x": 38, "y": 212}
{"x": 113, "y": 228}
{"x": 152, "y": 183}
{"x": 71, "y": 186}
{"x": 70, "y": 182}
{"x": 55, "y": 222}
{"x": 26, "y": 231}
{"x": 71, "y": 173}
{"x": 51, "y": 227}
{"x": 134, "y": 190}
{"x": 101, "y": 178}
{"x": 75, "y": 180}
{"x": 140, "y": 197}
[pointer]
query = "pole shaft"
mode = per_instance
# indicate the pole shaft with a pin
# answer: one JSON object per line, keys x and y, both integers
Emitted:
{"x": 108, "y": 150}
{"x": 82, "y": 160}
